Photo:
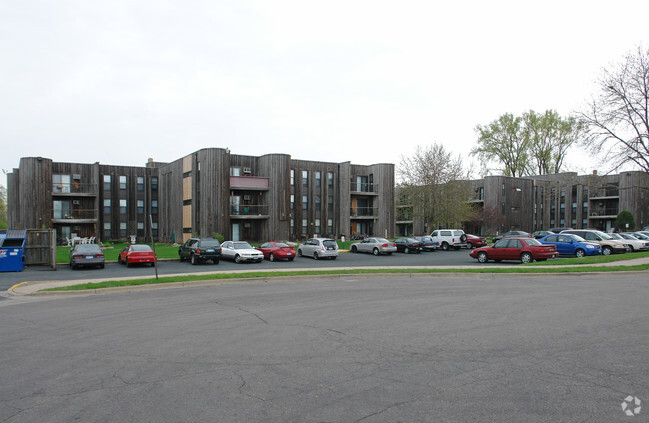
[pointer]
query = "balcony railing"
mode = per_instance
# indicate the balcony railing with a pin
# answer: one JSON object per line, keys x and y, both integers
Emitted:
{"x": 76, "y": 214}
{"x": 249, "y": 183}
{"x": 74, "y": 188}
{"x": 363, "y": 187}
{"x": 604, "y": 212}
{"x": 363, "y": 211}
{"x": 251, "y": 210}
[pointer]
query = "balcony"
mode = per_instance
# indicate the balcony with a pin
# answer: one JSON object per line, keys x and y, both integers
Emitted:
{"x": 76, "y": 216}
{"x": 74, "y": 189}
{"x": 249, "y": 212}
{"x": 364, "y": 188}
{"x": 364, "y": 213}
{"x": 608, "y": 213}
{"x": 249, "y": 183}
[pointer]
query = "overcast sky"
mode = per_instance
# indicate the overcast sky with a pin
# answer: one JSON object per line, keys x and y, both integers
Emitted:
{"x": 365, "y": 81}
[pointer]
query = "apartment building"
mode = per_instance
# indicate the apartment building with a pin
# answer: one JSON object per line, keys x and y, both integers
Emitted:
{"x": 209, "y": 191}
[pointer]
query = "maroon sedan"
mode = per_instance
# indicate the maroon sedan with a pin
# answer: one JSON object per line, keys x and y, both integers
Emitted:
{"x": 276, "y": 250}
{"x": 473, "y": 241}
{"x": 524, "y": 249}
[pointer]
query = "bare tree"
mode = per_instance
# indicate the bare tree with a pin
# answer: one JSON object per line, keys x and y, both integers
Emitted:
{"x": 618, "y": 119}
{"x": 436, "y": 186}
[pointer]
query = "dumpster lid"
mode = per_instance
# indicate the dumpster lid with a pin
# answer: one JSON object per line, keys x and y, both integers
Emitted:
{"x": 16, "y": 234}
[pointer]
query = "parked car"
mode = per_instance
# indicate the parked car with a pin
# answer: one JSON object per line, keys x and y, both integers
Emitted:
{"x": 240, "y": 251}
{"x": 541, "y": 234}
{"x": 449, "y": 238}
{"x": 511, "y": 234}
{"x": 608, "y": 244}
{"x": 319, "y": 248}
{"x": 87, "y": 255}
{"x": 408, "y": 245}
{"x": 634, "y": 243}
{"x": 274, "y": 250}
{"x": 524, "y": 249}
{"x": 645, "y": 229}
{"x": 559, "y": 230}
{"x": 567, "y": 244}
{"x": 136, "y": 254}
{"x": 198, "y": 250}
{"x": 639, "y": 235}
{"x": 427, "y": 242}
{"x": 473, "y": 241}
{"x": 375, "y": 246}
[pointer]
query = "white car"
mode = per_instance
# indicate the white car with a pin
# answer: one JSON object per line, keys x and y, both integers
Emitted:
{"x": 633, "y": 242}
{"x": 319, "y": 248}
{"x": 375, "y": 246}
{"x": 450, "y": 238}
{"x": 240, "y": 251}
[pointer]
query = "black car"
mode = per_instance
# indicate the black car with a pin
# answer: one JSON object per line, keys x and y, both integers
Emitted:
{"x": 200, "y": 250}
{"x": 427, "y": 243}
{"x": 511, "y": 234}
{"x": 408, "y": 245}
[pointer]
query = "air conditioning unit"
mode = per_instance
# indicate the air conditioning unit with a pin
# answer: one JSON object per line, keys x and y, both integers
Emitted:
{"x": 246, "y": 170}
{"x": 76, "y": 202}
{"x": 246, "y": 197}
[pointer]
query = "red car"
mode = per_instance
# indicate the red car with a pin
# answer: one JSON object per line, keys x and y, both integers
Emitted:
{"x": 473, "y": 241}
{"x": 277, "y": 250}
{"x": 524, "y": 249}
{"x": 138, "y": 253}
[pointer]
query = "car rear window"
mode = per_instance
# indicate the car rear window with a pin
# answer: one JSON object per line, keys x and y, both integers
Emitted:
{"x": 329, "y": 243}
{"x": 140, "y": 248}
{"x": 88, "y": 248}
{"x": 280, "y": 244}
{"x": 210, "y": 243}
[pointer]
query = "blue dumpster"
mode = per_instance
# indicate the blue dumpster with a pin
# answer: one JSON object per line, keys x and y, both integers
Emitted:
{"x": 12, "y": 250}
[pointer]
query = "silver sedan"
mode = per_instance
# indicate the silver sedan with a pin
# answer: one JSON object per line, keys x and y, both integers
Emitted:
{"x": 375, "y": 246}
{"x": 240, "y": 251}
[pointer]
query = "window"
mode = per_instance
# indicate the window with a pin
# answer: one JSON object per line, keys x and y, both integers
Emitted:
{"x": 61, "y": 183}
{"x": 235, "y": 171}
{"x": 107, "y": 206}
{"x": 122, "y": 182}
{"x": 305, "y": 201}
{"x": 122, "y": 206}
{"x": 304, "y": 226}
{"x": 62, "y": 210}
{"x": 317, "y": 202}
{"x": 106, "y": 182}
{"x": 140, "y": 226}
{"x": 122, "y": 229}
{"x": 330, "y": 203}
{"x": 140, "y": 183}
{"x": 317, "y": 226}
{"x": 318, "y": 182}
{"x": 154, "y": 183}
{"x": 154, "y": 206}
{"x": 154, "y": 228}
{"x": 292, "y": 226}
{"x": 140, "y": 206}
{"x": 292, "y": 177}
{"x": 305, "y": 178}
{"x": 107, "y": 228}
{"x": 330, "y": 179}
{"x": 330, "y": 226}
{"x": 292, "y": 202}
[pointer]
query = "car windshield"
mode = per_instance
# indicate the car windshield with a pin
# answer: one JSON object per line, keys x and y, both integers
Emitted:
{"x": 140, "y": 248}
{"x": 615, "y": 236}
{"x": 602, "y": 235}
{"x": 210, "y": 243}
{"x": 241, "y": 245}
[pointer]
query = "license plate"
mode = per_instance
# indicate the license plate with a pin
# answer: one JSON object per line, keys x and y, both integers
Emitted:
{"x": 288, "y": 254}
{"x": 89, "y": 257}
{"x": 210, "y": 251}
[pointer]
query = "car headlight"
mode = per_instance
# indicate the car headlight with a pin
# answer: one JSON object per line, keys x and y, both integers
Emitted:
{"x": 591, "y": 246}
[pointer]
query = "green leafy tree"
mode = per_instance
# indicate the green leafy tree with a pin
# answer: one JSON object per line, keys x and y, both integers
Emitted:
{"x": 3, "y": 207}
{"x": 550, "y": 136}
{"x": 617, "y": 120}
{"x": 435, "y": 184}
{"x": 504, "y": 141}
{"x": 623, "y": 219}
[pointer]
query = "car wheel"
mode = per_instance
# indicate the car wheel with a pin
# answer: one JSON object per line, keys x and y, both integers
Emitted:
{"x": 405, "y": 250}
{"x": 215, "y": 261}
{"x": 291, "y": 259}
{"x": 271, "y": 257}
{"x": 315, "y": 255}
{"x": 375, "y": 251}
{"x": 127, "y": 263}
{"x": 607, "y": 251}
{"x": 119, "y": 259}
{"x": 354, "y": 249}
{"x": 237, "y": 259}
{"x": 526, "y": 258}
{"x": 333, "y": 258}
{"x": 445, "y": 246}
{"x": 580, "y": 253}
{"x": 193, "y": 260}
{"x": 299, "y": 252}
{"x": 469, "y": 246}
{"x": 482, "y": 257}
{"x": 73, "y": 266}
{"x": 101, "y": 266}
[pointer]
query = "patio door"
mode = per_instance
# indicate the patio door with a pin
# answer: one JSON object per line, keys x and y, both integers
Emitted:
{"x": 236, "y": 232}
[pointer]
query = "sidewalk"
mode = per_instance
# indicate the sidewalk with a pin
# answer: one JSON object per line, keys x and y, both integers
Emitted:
{"x": 32, "y": 288}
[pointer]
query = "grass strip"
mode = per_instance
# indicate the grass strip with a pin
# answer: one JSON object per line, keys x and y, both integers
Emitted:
{"x": 590, "y": 259}
{"x": 248, "y": 275}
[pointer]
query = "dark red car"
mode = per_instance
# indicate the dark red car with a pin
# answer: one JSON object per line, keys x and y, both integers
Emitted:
{"x": 137, "y": 253}
{"x": 473, "y": 241}
{"x": 276, "y": 250}
{"x": 524, "y": 249}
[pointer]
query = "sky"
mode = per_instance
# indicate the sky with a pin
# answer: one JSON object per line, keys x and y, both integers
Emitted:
{"x": 363, "y": 81}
